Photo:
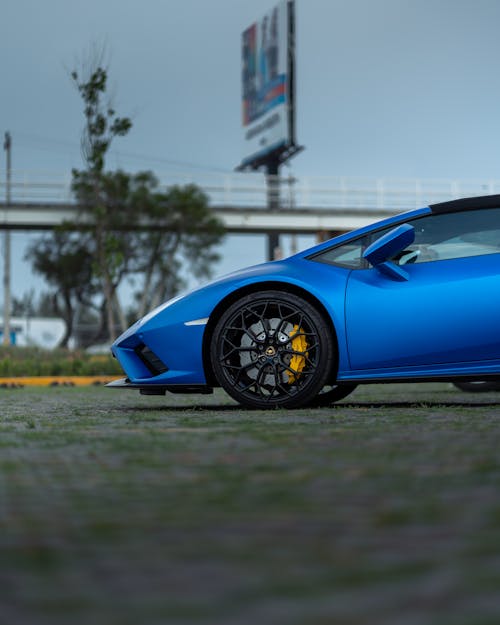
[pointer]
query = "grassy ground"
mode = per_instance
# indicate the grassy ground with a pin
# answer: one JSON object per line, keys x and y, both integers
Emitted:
{"x": 122, "y": 509}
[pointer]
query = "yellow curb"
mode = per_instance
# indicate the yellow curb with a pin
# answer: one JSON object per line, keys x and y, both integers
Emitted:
{"x": 57, "y": 380}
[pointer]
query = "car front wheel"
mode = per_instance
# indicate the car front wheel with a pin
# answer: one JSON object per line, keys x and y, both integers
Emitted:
{"x": 272, "y": 349}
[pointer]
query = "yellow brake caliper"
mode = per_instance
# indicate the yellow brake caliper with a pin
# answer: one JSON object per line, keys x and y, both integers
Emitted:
{"x": 298, "y": 361}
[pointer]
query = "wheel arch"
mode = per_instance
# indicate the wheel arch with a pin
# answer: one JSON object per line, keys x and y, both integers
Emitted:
{"x": 255, "y": 288}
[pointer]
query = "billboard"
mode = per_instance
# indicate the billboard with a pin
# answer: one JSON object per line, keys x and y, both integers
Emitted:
{"x": 267, "y": 80}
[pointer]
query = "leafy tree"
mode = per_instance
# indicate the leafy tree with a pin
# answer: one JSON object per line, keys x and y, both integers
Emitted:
{"x": 66, "y": 264}
{"x": 101, "y": 122}
{"x": 97, "y": 193}
{"x": 111, "y": 235}
{"x": 29, "y": 305}
{"x": 25, "y": 305}
{"x": 125, "y": 227}
{"x": 182, "y": 235}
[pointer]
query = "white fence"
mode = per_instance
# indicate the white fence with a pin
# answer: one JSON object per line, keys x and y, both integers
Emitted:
{"x": 249, "y": 190}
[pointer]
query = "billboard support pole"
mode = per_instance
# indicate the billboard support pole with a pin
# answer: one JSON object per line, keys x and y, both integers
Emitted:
{"x": 273, "y": 204}
{"x": 268, "y": 54}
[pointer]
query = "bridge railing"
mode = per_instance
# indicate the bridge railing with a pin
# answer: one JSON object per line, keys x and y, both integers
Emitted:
{"x": 250, "y": 190}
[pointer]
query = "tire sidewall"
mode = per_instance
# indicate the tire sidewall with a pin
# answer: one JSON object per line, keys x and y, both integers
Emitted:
{"x": 325, "y": 362}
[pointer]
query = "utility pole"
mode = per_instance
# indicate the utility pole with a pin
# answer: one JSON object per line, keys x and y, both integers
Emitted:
{"x": 6, "y": 269}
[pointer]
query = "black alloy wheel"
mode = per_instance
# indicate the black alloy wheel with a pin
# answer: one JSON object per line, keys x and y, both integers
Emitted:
{"x": 478, "y": 386}
{"x": 332, "y": 393}
{"x": 272, "y": 349}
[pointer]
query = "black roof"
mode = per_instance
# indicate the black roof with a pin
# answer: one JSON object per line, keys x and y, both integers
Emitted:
{"x": 466, "y": 203}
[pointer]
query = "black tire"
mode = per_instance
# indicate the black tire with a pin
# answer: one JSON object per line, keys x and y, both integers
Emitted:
{"x": 272, "y": 349}
{"x": 332, "y": 393}
{"x": 478, "y": 386}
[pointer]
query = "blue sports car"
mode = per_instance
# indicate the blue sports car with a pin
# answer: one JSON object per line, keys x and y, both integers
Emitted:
{"x": 415, "y": 297}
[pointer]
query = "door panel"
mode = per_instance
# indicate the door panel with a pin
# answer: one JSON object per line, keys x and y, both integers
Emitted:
{"x": 447, "y": 312}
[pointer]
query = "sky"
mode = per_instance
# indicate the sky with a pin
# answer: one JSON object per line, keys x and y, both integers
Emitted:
{"x": 385, "y": 88}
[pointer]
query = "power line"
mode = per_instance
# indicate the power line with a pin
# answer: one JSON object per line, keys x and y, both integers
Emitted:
{"x": 31, "y": 140}
{"x": 168, "y": 161}
{"x": 22, "y": 136}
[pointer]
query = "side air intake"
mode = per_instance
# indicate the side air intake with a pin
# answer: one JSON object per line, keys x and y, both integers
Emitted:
{"x": 151, "y": 360}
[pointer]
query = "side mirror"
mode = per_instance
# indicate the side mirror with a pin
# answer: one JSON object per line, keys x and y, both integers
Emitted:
{"x": 381, "y": 250}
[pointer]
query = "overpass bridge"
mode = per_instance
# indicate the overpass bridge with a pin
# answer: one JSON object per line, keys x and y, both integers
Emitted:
{"x": 42, "y": 200}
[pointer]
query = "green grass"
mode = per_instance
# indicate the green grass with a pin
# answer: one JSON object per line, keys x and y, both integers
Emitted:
{"x": 122, "y": 509}
{"x": 33, "y": 361}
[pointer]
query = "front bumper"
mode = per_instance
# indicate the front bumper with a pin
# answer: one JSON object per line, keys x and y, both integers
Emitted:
{"x": 161, "y": 389}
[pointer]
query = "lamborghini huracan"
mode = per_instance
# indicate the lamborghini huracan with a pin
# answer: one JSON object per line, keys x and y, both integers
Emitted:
{"x": 415, "y": 297}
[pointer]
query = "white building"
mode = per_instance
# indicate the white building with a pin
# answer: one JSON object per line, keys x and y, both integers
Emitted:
{"x": 43, "y": 332}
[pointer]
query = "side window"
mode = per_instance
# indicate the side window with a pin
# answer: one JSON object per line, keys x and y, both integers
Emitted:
{"x": 437, "y": 237}
{"x": 350, "y": 254}
{"x": 453, "y": 235}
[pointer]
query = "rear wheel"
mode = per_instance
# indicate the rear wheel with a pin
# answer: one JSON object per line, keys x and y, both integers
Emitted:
{"x": 272, "y": 350}
{"x": 478, "y": 386}
{"x": 332, "y": 393}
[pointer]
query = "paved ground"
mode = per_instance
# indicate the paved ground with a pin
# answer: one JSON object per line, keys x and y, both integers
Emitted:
{"x": 122, "y": 509}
